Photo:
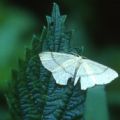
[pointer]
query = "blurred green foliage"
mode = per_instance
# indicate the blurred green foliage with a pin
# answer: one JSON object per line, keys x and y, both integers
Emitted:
{"x": 16, "y": 28}
{"x": 15, "y": 31}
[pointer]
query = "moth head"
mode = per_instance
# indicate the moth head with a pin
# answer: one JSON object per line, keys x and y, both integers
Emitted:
{"x": 80, "y": 57}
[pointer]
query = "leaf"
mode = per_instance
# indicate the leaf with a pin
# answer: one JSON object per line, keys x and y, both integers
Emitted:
{"x": 34, "y": 90}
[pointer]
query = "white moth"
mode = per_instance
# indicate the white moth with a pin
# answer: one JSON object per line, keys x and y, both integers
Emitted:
{"x": 64, "y": 66}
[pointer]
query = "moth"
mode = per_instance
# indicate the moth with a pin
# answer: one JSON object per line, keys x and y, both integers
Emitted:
{"x": 64, "y": 66}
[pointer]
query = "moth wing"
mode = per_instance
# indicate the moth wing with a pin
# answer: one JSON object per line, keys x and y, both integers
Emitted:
{"x": 85, "y": 80}
{"x": 61, "y": 75}
{"x": 61, "y": 65}
{"x": 53, "y": 60}
{"x": 95, "y": 74}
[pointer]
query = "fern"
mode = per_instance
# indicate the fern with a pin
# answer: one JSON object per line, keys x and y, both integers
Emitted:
{"x": 33, "y": 93}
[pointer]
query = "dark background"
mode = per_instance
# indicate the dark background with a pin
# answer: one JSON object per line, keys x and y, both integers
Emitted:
{"x": 104, "y": 26}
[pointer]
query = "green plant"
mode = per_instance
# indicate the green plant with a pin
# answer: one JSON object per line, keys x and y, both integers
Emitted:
{"x": 33, "y": 93}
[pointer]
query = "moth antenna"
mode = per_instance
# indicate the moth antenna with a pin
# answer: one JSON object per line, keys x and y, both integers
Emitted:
{"x": 82, "y": 50}
{"x": 79, "y": 51}
{"x": 74, "y": 53}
